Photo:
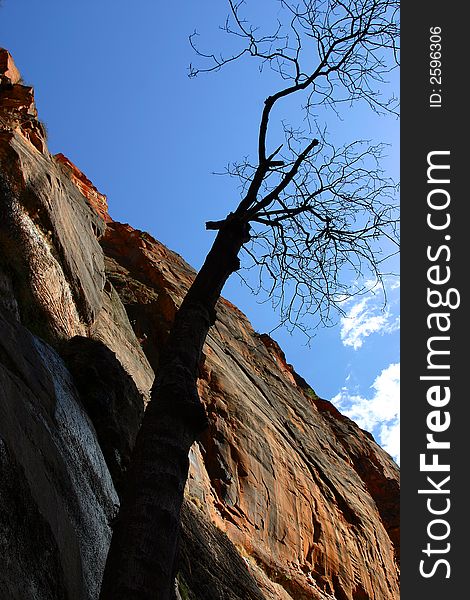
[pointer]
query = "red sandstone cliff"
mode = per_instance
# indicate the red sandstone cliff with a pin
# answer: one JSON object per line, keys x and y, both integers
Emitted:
{"x": 286, "y": 499}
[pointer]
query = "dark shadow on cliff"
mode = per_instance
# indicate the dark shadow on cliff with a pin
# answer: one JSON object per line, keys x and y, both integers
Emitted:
{"x": 110, "y": 397}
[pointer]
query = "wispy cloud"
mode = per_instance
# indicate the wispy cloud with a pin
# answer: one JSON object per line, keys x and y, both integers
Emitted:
{"x": 380, "y": 413}
{"x": 367, "y": 316}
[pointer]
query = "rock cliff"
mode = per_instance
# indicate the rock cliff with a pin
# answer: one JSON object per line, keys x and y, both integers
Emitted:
{"x": 287, "y": 499}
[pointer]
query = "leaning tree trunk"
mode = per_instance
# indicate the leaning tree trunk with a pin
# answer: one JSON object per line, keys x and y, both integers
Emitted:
{"x": 141, "y": 559}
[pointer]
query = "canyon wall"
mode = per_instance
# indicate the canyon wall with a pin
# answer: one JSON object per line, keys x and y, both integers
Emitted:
{"x": 286, "y": 499}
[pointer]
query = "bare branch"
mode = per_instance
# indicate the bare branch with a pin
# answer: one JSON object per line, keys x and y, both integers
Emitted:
{"x": 320, "y": 214}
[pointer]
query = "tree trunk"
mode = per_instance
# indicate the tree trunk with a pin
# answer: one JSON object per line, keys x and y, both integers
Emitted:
{"x": 141, "y": 559}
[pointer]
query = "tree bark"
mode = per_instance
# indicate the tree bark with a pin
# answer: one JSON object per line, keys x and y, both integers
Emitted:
{"x": 141, "y": 559}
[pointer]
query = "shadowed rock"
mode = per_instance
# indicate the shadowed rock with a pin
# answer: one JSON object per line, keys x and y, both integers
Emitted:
{"x": 110, "y": 398}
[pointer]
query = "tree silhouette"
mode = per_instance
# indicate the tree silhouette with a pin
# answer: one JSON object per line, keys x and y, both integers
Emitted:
{"x": 311, "y": 216}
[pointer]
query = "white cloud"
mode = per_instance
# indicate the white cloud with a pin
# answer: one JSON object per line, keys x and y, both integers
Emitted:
{"x": 389, "y": 438}
{"x": 364, "y": 318}
{"x": 379, "y": 414}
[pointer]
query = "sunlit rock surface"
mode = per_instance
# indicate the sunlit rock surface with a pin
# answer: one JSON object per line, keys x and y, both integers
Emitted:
{"x": 308, "y": 498}
{"x": 286, "y": 498}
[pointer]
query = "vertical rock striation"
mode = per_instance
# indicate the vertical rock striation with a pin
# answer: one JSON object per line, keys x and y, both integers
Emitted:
{"x": 309, "y": 499}
{"x": 287, "y": 499}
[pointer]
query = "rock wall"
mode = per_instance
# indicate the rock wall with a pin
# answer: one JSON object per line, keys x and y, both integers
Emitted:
{"x": 309, "y": 499}
{"x": 57, "y": 498}
{"x": 287, "y": 499}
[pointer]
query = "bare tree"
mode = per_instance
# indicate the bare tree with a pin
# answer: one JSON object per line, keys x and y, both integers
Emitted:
{"x": 310, "y": 216}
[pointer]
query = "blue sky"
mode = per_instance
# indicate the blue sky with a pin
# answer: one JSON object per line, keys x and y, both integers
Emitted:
{"x": 112, "y": 88}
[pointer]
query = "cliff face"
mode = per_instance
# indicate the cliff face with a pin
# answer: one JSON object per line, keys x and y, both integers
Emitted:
{"x": 286, "y": 499}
